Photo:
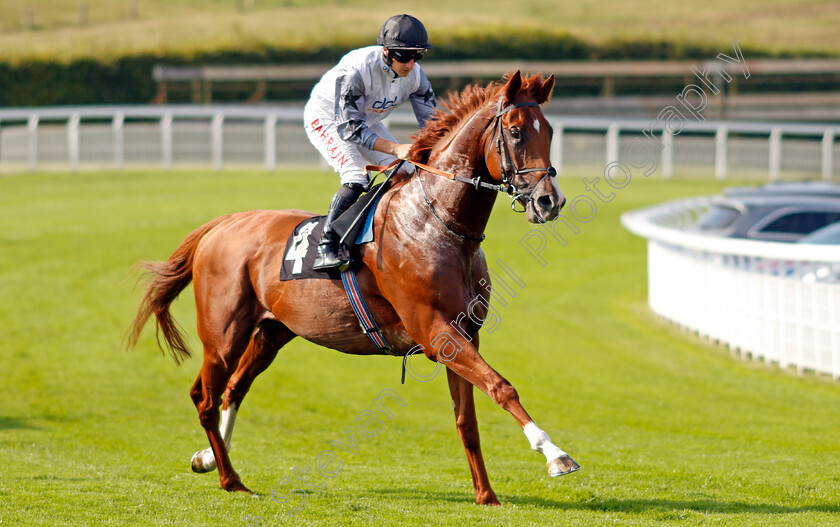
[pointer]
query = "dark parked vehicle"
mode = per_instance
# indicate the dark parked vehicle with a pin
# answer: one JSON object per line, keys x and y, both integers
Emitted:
{"x": 783, "y": 212}
{"x": 826, "y": 236}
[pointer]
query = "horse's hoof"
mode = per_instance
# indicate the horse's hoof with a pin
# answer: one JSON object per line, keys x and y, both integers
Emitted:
{"x": 238, "y": 486}
{"x": 487, "y": 498}
{"x": 561, "y": 466}
{"x": 198, "y": 463}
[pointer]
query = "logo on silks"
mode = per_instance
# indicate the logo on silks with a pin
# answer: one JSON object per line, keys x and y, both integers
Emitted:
{"x": 300, "y": 245}
{"x": 385, "y": 104}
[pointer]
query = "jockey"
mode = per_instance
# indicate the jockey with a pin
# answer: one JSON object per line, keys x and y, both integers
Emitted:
{"x": 344, "y": 114}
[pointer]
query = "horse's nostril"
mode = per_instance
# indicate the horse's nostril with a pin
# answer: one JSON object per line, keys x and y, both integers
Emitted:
{"x": 545, "y": 202}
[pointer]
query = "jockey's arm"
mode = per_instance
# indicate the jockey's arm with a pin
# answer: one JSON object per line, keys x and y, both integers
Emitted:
{"x": 400, "y": 151}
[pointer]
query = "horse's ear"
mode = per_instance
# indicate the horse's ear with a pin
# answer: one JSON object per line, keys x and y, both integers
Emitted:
{"x": 512, "y": 87}
{"x": 544, "y": 93}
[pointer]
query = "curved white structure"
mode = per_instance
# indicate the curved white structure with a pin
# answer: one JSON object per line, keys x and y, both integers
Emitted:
{"x": 779, "y": 302}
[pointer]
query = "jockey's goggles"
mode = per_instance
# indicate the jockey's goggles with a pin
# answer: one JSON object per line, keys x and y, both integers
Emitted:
{"x": 407, "y": 55}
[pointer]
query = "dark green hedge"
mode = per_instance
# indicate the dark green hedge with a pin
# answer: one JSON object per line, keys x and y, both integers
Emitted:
{"x": 129, "y": 80}
{"x": 80, "y": 82}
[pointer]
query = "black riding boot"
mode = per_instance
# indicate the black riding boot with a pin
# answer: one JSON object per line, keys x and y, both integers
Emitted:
{"x": 328, "y": 247}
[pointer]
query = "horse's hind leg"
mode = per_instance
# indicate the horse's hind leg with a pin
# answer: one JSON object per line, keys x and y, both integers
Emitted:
{"x": 225, "y": 331}
{"x": 268, "y": 339}
{"x": 213, "y": 379}
{"x": 464, "y": 406}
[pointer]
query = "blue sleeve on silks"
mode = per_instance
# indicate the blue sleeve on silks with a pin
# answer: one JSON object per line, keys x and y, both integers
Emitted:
{"x": 350, "y": 118}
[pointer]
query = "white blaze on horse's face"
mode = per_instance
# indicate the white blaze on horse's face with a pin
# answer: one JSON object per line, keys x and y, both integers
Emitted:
{"x": 537, "y": 125}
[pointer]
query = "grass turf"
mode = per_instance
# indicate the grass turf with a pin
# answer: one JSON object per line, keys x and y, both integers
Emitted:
{"x": 187, "y": 27}
{"x": 668, "y": 429}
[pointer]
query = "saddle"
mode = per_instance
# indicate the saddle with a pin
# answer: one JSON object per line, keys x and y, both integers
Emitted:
{"x": 301, "y": 246}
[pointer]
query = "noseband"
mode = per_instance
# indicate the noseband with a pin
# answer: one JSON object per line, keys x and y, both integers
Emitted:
{"x": 501, "y": 142}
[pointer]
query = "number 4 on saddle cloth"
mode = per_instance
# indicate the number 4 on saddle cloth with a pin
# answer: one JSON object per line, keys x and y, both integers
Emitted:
{"x": 301, "y": 248}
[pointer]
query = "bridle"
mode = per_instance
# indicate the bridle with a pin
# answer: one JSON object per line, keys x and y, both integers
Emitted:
{"x": 509, "y": 183}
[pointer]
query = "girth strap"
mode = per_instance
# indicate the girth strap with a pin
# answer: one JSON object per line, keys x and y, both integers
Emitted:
{"x": 366, "y": 321}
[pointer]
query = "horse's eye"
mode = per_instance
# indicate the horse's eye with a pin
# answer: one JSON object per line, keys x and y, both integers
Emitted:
{"x": 514, "y": 132}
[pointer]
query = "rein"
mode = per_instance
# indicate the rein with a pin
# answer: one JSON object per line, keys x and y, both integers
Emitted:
{"x": 507, "y": 186}
{"x": 474, "y": 182}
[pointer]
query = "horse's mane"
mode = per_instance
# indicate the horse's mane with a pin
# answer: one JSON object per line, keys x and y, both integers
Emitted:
{"x": 460, "y": 107}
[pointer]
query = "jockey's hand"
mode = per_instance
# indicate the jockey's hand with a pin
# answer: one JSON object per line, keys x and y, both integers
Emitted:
{"x": 402, "y": 151}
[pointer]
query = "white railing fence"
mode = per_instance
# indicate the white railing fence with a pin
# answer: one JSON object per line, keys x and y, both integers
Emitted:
{"x": 71, "y": 138}
{"x": 779, "y": 302}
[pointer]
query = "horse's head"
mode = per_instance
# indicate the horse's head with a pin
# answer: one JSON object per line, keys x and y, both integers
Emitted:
{"x": 517, "y": 147}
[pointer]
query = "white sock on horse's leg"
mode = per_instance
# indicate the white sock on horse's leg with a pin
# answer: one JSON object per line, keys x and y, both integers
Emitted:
{"x": 541, "y": 442}
{"x": 206, "y": 457}
{"x": 228, "y": 420}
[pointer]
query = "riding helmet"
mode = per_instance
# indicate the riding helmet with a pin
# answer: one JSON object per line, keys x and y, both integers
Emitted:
{"x": 403, "y": 32}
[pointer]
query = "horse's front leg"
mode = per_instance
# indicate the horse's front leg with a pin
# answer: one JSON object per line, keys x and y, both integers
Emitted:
{"x": 461, "y": 356}
{"x": 464, "y": 406}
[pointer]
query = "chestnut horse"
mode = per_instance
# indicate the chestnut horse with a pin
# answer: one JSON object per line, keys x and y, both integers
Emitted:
{"x": 420, "y": 272}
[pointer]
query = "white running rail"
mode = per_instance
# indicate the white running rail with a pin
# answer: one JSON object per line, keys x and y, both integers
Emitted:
{"x": 779, "y": 302}
{"x": 74, "y": 137}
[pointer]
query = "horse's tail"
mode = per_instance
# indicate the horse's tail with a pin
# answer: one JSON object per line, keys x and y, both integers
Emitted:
{"x": 166, "y": 281}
